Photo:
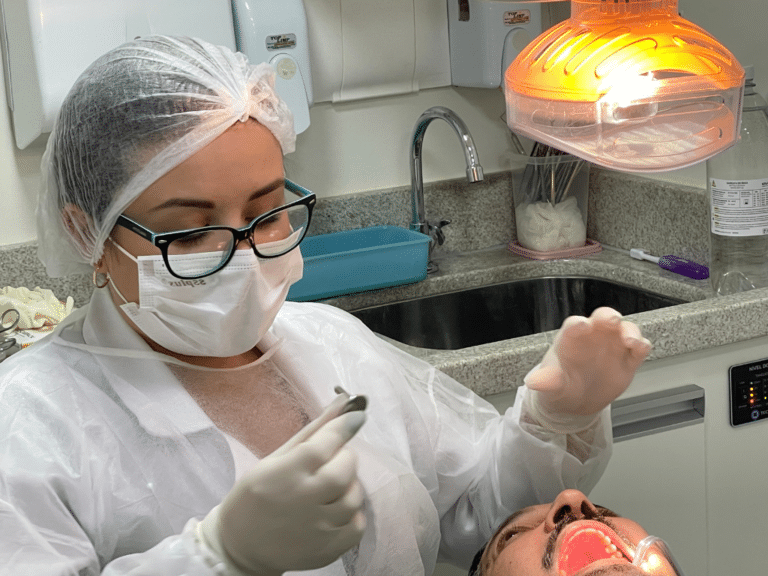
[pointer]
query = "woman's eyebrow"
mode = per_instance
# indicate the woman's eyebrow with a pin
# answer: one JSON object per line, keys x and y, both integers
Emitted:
{"x": 274, "y": 185}
{"x": 208, "y": 205}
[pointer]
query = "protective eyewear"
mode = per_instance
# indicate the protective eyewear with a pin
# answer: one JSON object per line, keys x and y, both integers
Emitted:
{"x": 272, "y": 234}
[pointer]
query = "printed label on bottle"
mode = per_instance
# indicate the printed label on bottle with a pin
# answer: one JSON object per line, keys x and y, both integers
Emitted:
{"x": 739, "y": 207}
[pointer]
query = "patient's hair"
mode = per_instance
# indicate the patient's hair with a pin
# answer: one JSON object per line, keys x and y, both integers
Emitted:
{"x": 475, "y": 570}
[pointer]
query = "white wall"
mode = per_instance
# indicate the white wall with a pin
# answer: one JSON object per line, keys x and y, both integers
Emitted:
{"x": 741, "y": 27}
{"x": 348, "y": 148}
{"x": 357, "y": 146}
{"x": 19, "y": 181}
{"x": 366, "y": 145}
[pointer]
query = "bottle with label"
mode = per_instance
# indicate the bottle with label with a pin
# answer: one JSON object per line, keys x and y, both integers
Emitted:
{"x": 738, "y": 185}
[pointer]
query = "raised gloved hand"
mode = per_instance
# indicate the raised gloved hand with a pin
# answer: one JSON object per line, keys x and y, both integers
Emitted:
{"x": 298, "y": 508}
{"x": 591, "y": 362}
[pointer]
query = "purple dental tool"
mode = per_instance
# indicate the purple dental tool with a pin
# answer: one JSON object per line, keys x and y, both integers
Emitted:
{"x": 670, "y": 262}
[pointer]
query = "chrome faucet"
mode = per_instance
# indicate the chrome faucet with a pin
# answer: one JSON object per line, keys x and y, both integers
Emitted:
{"x": 474, "y": 173}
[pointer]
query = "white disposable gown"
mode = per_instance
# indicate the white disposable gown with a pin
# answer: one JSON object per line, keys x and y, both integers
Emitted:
{"x": 107, "y": 463}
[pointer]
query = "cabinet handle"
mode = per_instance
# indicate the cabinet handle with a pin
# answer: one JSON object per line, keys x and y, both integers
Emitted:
{"x": 657, "y": 412}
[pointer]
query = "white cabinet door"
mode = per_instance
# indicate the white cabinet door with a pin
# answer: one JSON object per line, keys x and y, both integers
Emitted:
{"x": 657, "y": 472}
{"x": 659, "y": 482}
{"x": 656, "y": 475}
{"x": 736, "y": 462}
{"x": 700, "y": 488}
{"x": 657, "y": 479}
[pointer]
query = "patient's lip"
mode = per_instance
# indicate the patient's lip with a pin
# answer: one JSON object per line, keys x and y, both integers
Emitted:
{"x": 623, "y": 568}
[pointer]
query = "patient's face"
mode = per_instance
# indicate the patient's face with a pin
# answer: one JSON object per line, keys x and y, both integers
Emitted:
{"x": 570, "y": 537}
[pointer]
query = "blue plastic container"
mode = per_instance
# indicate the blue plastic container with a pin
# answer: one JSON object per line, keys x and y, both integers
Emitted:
{"x": 357, "y": 260}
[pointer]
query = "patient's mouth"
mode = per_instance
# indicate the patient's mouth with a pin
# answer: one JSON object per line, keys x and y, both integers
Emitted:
{"x": 586, "y": 542}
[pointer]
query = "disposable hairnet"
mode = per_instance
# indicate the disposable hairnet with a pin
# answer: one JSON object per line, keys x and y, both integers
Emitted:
{"x": 132, "y": 116}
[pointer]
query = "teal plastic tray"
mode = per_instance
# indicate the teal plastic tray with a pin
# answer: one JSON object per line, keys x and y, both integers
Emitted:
{"x": 357, "y": 260}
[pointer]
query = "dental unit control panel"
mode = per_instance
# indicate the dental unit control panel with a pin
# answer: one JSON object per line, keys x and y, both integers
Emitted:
{"x": 749, "y": 392}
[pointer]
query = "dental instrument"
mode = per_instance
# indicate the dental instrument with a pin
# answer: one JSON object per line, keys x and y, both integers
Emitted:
{"x": 670, "y": 262}
{"x": 355, "y": 402}
{"x": 8, "y": 345}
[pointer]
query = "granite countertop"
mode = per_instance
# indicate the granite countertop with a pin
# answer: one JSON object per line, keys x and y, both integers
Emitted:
{"x": 705, "y": 321}
{"x": 624, "y": 211}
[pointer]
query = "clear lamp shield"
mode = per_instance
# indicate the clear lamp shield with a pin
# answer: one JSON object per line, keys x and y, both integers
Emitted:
{"x": 629, "y": 86}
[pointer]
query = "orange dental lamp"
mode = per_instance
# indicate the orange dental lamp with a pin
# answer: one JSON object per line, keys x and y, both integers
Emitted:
{"x": 629, "y": 85}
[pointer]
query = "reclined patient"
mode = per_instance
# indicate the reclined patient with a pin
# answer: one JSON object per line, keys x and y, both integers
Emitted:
{"x": 572, "y": 537}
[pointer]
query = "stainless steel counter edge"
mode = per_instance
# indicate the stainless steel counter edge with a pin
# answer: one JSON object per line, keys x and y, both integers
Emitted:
{"x": 704, "y": 322}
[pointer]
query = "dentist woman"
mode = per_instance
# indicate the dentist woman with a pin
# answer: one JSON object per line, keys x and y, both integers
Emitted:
{"x": 185, "y": 421}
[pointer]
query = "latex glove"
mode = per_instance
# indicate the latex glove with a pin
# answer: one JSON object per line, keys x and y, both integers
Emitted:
{"x": 298, "y": 508}
{"x": 590, "y": 363}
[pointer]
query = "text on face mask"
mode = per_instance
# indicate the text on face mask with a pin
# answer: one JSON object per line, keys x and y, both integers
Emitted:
{"x": 188, "y": 282}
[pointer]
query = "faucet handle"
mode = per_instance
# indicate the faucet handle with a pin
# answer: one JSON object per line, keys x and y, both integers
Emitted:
{"x": 436, "y": 238}
{"x": 437, "y": 231}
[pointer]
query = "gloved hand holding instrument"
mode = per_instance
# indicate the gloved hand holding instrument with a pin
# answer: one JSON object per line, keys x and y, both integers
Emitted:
{"x": 299, "y": 507}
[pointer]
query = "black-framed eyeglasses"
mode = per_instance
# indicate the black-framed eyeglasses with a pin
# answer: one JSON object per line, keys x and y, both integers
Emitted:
{"x": 272, "y": 234}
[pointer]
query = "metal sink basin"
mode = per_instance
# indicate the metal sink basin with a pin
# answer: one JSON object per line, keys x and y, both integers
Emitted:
{"x": 502, "y": 311}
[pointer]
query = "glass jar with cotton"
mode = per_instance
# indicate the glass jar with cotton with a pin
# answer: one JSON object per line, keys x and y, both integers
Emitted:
{"x": 550, "y": 198}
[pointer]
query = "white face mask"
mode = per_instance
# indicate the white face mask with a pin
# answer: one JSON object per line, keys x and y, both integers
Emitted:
{"x": 221, "y": 315}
